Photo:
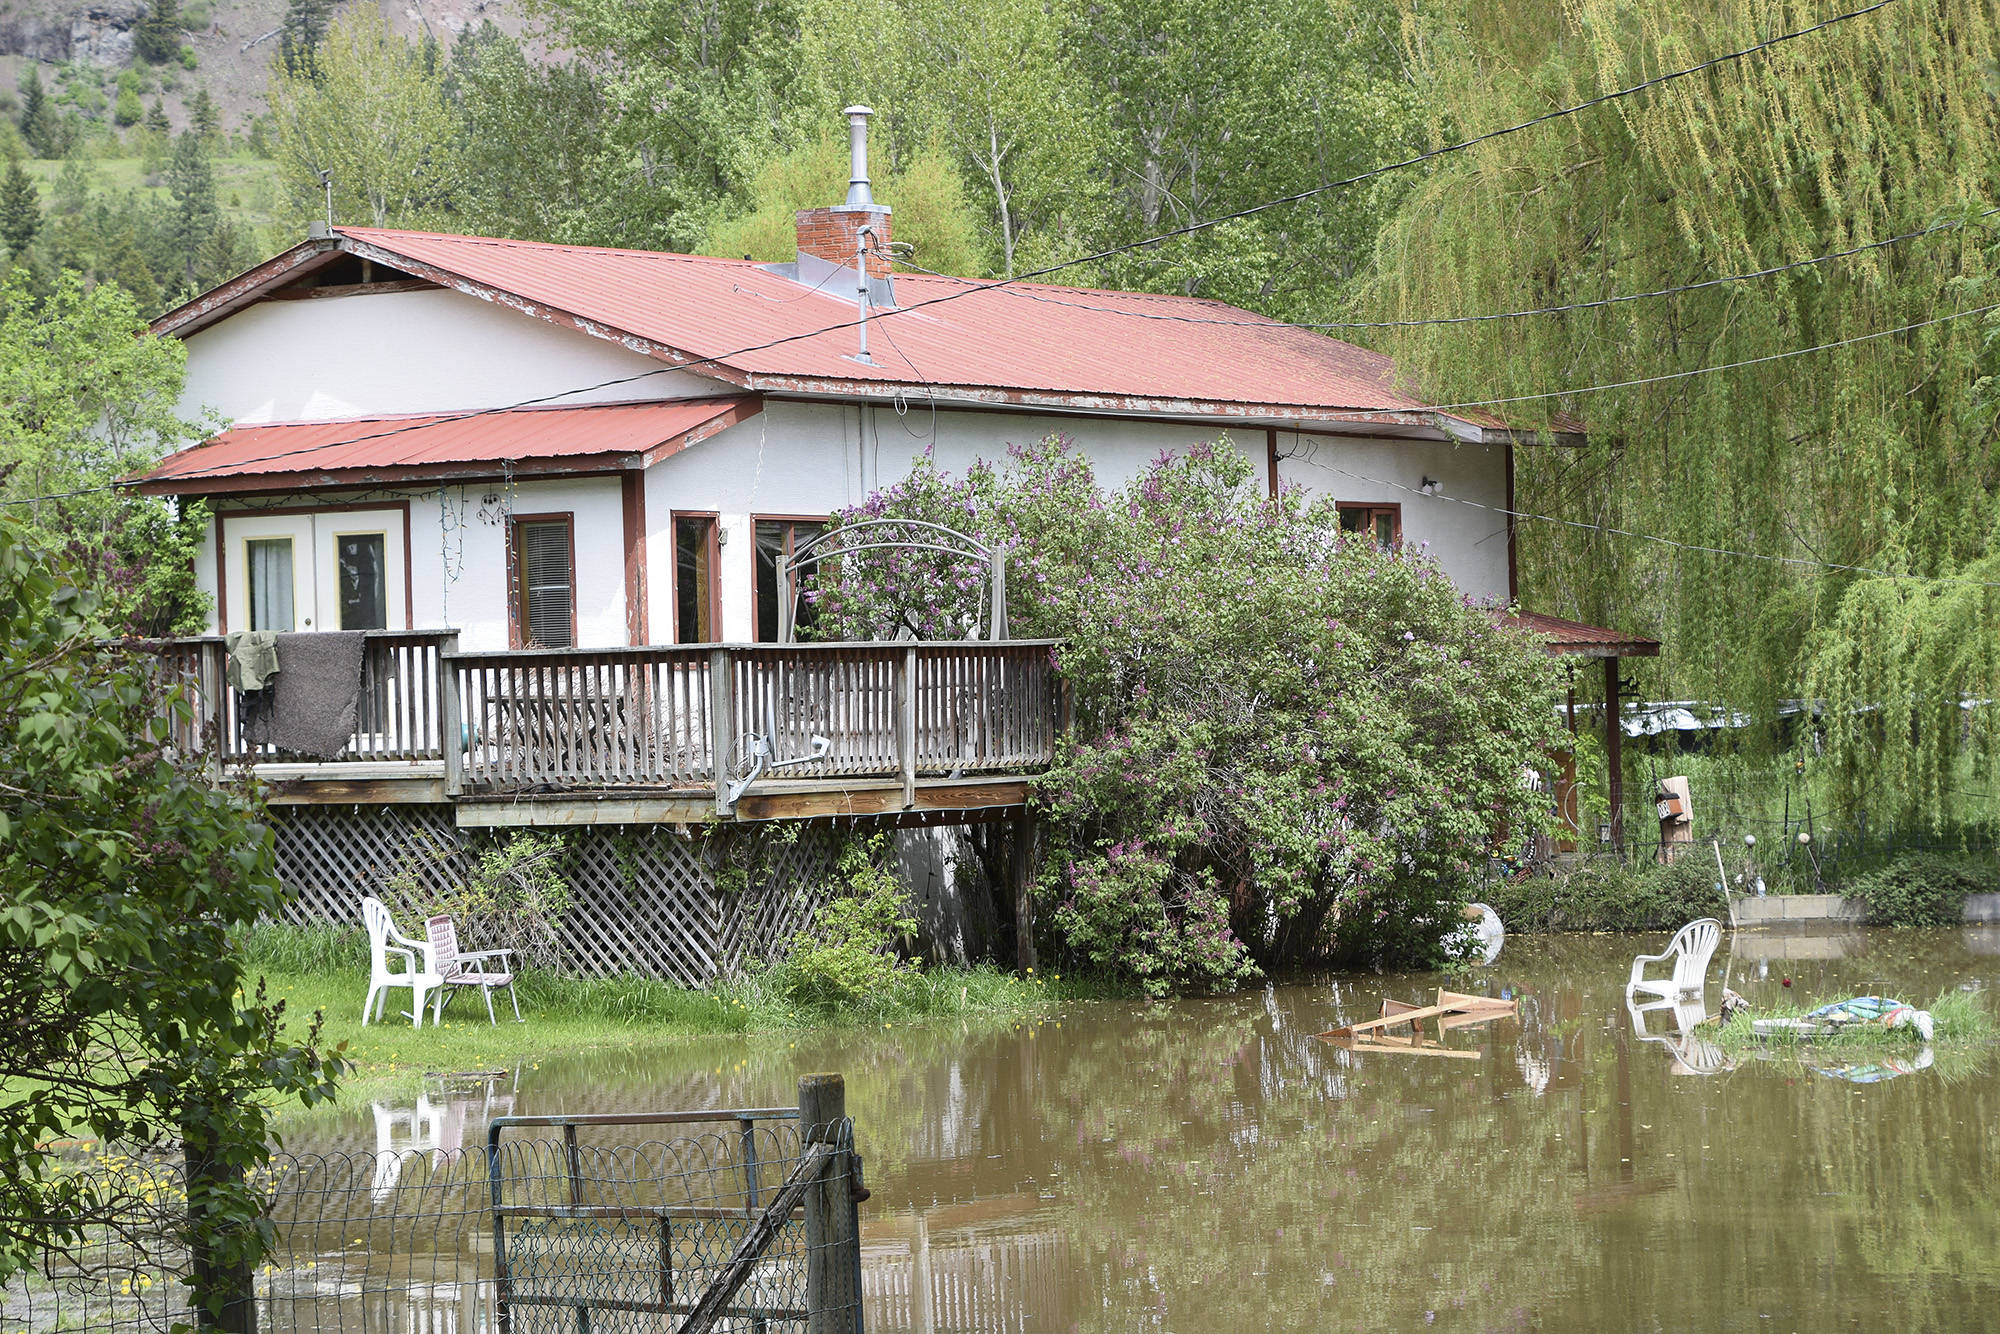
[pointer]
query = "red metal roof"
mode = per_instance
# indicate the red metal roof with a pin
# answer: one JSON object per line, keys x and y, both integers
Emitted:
{"x": 1577, "y": 638}
{"x": 1025, "y": 342}
{"x": 597, "y": 438}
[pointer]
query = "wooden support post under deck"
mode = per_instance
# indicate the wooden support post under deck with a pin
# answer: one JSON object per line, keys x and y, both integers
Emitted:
{"x": 1614, "y": 760}
{"x": 906, "y": 726}
{"x": 721, "y": 722}
{"x": 1024, "y": 889}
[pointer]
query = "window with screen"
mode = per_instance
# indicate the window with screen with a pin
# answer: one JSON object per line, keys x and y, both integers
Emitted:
{"x": 269, "y": 563}
{"x": 1383, "y": 523}
{"x": 696, "y": 597}
{"x": 545, "y": 582}
{"x": 779, "y": 539}
{"x": 364, "y": 585}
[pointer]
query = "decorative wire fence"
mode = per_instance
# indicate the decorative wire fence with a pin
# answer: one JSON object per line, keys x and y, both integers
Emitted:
{"x": 579, "y": 1233}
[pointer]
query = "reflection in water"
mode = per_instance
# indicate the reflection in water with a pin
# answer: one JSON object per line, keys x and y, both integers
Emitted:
{"x": 1875, "y": 1071}
{"x": 1207, "y": 1165}
{"x": 1694, "y": 1052}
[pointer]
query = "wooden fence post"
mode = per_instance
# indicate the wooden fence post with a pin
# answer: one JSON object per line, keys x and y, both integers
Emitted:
{"x": 833, "y": 1218}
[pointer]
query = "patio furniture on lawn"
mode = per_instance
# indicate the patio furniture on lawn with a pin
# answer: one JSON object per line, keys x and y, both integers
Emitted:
{"x": 418, "y": 973}
{"x": 1689, "y": 951}
{"x": 485, "y": 969}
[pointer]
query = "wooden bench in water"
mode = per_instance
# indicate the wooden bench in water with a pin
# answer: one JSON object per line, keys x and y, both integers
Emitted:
{"x": 1453, "y": 1010}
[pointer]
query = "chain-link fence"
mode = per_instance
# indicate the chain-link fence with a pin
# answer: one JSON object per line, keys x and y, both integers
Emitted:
{"x": 732, "y": 1220}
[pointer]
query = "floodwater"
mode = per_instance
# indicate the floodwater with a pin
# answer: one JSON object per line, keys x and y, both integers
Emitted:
{"x": 1209, "y": 1165}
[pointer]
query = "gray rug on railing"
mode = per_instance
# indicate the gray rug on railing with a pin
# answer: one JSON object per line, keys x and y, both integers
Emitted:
{"x": 310, "y": 706}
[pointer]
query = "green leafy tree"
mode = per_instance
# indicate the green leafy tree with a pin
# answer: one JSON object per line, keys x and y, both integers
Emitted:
{"x": 1879, "y": 455}
{"x": 933, "y": 214}
{"x": 534, "y": 160}
{"x": 988, "y": 82}
{"x": 127, "y": 110}
{"x": 122, "y": 875}
{"x": 20, "y": 209}
{"x": 87, "y": 396}
{"x": 1288, "y": 744}
{"x": 692, "y": 99}
{"x": 374, "y": 115}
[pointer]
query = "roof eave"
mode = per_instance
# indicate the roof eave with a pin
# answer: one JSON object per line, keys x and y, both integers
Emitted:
{"x": 322, "y": 479}
{"x": 246, "y": 287}
{"x": 710, "y": 368}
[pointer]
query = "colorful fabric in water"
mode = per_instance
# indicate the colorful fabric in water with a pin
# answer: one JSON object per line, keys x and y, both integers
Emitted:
{"x": 1880, "y": 1011}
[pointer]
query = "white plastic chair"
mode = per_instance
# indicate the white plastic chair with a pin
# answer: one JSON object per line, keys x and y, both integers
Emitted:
{"x": 485, "y": 969}
{"x": 418, "y": 972}
{"x": 1690, "y": 950}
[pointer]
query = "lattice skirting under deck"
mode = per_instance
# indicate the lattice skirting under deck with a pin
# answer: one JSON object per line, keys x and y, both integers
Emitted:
{"x": 646, "y": 899}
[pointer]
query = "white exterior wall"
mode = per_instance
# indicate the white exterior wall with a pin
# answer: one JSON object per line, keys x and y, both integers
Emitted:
{"x": 442, "y": 351}
{"x": 404, "y": 352}
{"x": 809, "y": 459}
{"x": 458, "y": 554}
{"x": 1463, "y": 526}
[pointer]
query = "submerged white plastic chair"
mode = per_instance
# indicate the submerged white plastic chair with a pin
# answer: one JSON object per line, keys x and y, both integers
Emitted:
{"x": 485, "y": 969}
{"x": 417, "y": 973}
{"x": 1689, "y": 952}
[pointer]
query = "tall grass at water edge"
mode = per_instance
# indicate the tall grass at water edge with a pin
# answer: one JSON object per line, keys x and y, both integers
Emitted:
{"x": 336, "y": 955}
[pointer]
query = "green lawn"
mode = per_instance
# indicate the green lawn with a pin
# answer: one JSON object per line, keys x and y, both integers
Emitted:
{"x": 568, "y": 1015}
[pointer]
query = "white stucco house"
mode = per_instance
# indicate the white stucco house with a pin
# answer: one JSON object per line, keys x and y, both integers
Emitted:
{"x": 538, "y": 472}
{"x": 574, "y": 447}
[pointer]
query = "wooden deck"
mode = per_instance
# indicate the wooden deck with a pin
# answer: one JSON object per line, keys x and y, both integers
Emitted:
{"x": 674, "y": 734}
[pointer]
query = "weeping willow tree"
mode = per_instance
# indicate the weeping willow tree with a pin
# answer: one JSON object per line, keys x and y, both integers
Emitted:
{"x": 1880, "y": 455}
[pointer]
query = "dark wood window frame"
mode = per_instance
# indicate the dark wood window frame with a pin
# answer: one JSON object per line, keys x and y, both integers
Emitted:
{"x": 756, "y": 582}
{"x": 517, "y": 591}
{"x": 714, "y": 518}
{"x": 1369, "y": 509}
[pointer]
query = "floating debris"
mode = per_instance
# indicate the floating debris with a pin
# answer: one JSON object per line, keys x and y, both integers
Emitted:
{"x": 1452, "y": 1010}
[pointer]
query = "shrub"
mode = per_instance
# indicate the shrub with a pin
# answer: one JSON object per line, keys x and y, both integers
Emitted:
{"x": 1922, "y": 889}
{"x": 511, "y": 895}
{"x": 1607, "y": 895}
{"x": 1284, "y": 737}
{"x": 848, "y": 958}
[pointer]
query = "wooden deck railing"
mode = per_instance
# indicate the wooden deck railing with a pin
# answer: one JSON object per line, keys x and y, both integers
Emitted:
{"x": 661, "y": 717}
{"x": 398, "y": 716}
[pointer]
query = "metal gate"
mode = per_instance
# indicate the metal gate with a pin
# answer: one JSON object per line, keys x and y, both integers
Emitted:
{"x": 743, "y": 1219}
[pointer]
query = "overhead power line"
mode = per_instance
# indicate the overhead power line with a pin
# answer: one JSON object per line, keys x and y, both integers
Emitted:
{"x": 1435, "y": 321}
{"x": 1188, "y": 229}
{"x": 1696, "y": 548}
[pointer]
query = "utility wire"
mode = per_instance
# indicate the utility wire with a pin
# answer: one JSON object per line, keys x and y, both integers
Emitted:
{"x": 1694, "y": 547}
{"x": 1105, "y": 253}
{"x": 1437, "y": 321}
{"x": 1711, "y": 370}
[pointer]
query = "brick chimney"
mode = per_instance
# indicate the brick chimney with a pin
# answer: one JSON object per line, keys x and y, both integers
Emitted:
{"x": 834, "y": 234}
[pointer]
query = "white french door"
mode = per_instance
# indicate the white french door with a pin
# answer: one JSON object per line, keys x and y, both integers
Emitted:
{"x": 324, "y": 570}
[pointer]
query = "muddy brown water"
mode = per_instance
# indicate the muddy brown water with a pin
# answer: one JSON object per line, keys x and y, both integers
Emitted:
{"x": 1209, "y": 1165}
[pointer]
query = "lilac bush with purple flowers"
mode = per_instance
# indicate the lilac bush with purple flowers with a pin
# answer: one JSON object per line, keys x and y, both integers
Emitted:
{"x": 1289, "y": 746}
